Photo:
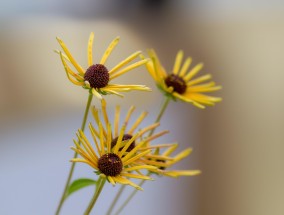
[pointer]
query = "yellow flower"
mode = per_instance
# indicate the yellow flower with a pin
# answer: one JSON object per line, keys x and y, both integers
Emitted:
{"x": 164, "y": 161}
{"x": 180, "y": 83}
{"x": 97, "y": 77}
{"x": 111, "y": 162}
{"x": 129, "y": 131}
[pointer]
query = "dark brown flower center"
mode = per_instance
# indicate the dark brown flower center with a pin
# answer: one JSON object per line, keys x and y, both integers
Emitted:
{"x": 110, "y": 164}
{"x": 176, "y": 82}
{"x": 97, "y": 75}
{"x": 125, "y": 137}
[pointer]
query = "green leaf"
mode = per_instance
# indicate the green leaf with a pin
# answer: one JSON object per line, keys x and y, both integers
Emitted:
{"x": 79, "y": 184}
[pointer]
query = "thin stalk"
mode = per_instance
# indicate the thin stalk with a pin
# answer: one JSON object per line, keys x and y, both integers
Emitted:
{"x": 130, "y": 196}
{"x": 161, "y": 113}
{"x": 63, "y": 197}
{"x": 95, "y": 197}
{"x": 121, "y": 189}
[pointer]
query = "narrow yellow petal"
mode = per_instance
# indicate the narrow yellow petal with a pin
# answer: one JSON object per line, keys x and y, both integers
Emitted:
{"x": 110, "y": 179}
{"x": 128, "y": 115}
{"x": 200, "y": 89}
{"x": 109, "y": 138}
{"x": 199, "y": 80}
{"x": 193, "y": 72}
{"x": 148, "y": 139}
{"x": 69, "y": 71}
{"x": 122, "y": 180}
{"x": 155, "y": 163}
{"x": 166, "y": 145}
{"x": 170, "y": 150}
{"x": 84, "y": 161}
{"x": 125, "y": 147}
{"x": 178, "y": 173}
{"x": 85, "y": 155}
{"x": 137, "y": 122}
{"x": 96, "y": 93}
{"x": 90, "y": 49}
{"x": 102, "y": 138}
{"x": 130, "y": 175}
{"x": 178, "y": 62}
{"x": 116, "y": 120}
{"x": 64, "y": 55}
{"x": 128, "y": 160}
{"x": 182, "y": 155}
{"x": 182, "y": 97}
{"x": 137, "y": 167}
{"x": 159, "y": 157}
{"x": 124, "y": 62}
{"x": 148, "y": 128}
{"x": 119, "y": 140}
{"x": 160, "y": 72}
{"x": 132, "y": 66}
{"x": 70, "y": 57}
{"x": 112, "y": 91}
{"x": 103, "y": 104}
{"x": 87, "y": 145}
{"x": 95, "y": 134}
{"x": 109, "y": 50}
{"x": 185, "y": 66}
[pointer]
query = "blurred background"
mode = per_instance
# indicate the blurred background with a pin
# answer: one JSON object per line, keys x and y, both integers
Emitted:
{"x": 238, "y": 144}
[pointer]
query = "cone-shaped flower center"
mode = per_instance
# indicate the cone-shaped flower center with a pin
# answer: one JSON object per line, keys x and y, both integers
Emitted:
{"x": 97, "y": 75}
{"x": 110, "y": 164}
{"x": 176, "y": 82}
{"x": 125, "y": 137}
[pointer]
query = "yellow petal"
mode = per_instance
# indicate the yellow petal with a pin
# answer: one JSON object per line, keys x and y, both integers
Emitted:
{"x": 96, "y": 93}
{"x": 128, "y": 115}
{"x": 193, "y": 72}
{"x": 177, "y": 62}
{"x": 103, "y": 104}
{"x": 185, "y": 67}
{"x": 116, "y": 120}
{"x": 95, "y": 134}
{"x": 90, "y": 49}
{"x": 132, "y": 66}
{"x": 199, "y": 80}
{"x": 69, "y": 71}
{"x": 129, "y": 169}
{"x": 124, "y": 62}
{"x": 130, "y": 175}
{"x": 72, "y": 60}
{"x": 128, "y": 160}
{"x": 122, "y": 180}
{"x": 108, "y": 51}
{"x": 137, "y": 122}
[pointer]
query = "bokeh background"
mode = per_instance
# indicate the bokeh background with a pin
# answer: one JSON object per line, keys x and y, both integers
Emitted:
{"x": 238, "y": 144}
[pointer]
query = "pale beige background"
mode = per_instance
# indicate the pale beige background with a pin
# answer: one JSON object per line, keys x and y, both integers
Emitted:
{"x": 238, "y": 144}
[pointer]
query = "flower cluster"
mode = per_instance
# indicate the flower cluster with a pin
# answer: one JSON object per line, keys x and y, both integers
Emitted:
{"x": 119, "y": 151}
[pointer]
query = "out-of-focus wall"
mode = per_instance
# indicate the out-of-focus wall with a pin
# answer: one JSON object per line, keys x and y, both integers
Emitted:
{"x": 237, "y": 144}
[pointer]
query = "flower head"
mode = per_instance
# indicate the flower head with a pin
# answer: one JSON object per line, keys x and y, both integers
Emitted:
{"x": 165, "y": 161}
{"x": 180, "y": 83}
{"x": 97, "y": 76}
{"x": 110, "y": 162}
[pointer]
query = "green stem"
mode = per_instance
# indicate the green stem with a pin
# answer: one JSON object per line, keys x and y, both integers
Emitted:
{"x": 95, "y": 197}
{"x": 158, "y": 119}
{"x": 121, "y": 189}
{"x": 63, "y": 197}
{"x": 161, "y": 113}
{"x": 130, "y": 196}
